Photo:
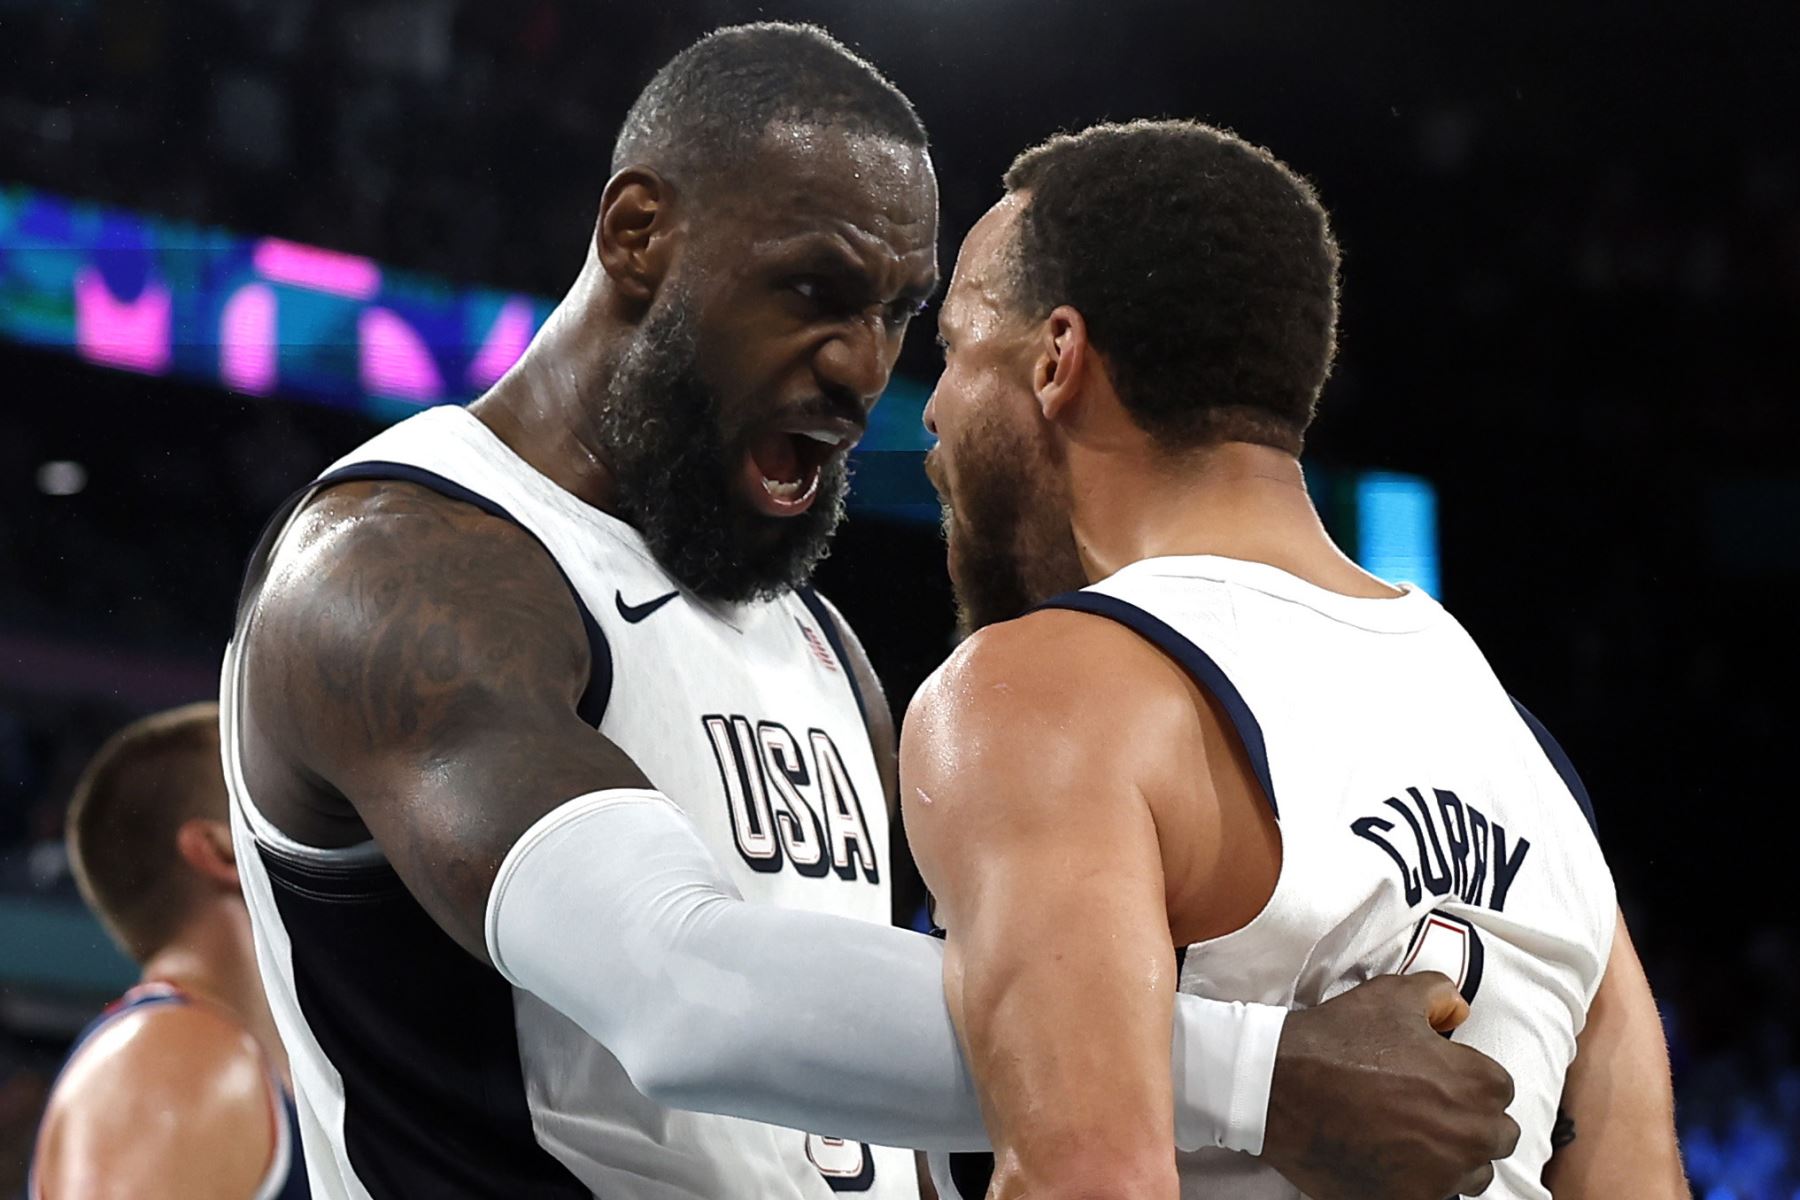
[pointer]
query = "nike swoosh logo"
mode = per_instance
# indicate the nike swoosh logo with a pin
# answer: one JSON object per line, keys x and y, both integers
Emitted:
{"x": 637, "y": 612}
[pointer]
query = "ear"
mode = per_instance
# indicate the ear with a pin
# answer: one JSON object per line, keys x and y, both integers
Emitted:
{"x": 205, "y": 845}
{"x": 632, "y": 236}
{"x": 1062, "y": 362}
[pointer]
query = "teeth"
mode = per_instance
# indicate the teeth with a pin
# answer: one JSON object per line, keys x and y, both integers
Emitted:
{"x": 819, "y": 435}
{"x": 785, "y": 491}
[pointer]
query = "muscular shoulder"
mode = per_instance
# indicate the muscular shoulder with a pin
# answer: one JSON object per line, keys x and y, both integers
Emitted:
{"x": 170, "y": 1100}
{"x": 1030, "y": 728}
{"x": 386, "y": 601}
{"x": 1050, "y": 688}
{"x": 363, "y": 553}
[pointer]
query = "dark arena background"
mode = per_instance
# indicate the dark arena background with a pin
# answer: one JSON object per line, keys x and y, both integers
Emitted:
{"x": 238, "y": 236}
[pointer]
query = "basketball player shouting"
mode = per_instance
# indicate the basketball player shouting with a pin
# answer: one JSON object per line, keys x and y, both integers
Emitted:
{"x": 511, "y": 683}
{"x": 1236, "y": 764}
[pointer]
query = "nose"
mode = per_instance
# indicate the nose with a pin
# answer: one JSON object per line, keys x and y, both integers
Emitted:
{"x": 858, "y": 359}
{"x": 930, "y": 417}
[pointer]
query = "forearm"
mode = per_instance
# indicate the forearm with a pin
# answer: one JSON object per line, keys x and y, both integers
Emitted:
{"x": 800, "y": 1019}
{"x": 791, "y": 1018}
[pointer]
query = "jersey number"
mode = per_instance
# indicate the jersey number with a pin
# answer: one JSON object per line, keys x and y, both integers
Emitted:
{"x": 846, "y": 1166}
{"x": 1450, "y": 946}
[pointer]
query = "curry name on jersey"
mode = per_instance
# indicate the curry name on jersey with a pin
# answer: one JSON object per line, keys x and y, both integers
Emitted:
{"x": 1427, "y": 822}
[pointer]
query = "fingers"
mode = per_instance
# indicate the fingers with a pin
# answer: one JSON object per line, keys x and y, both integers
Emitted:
{"x": 1476, "y": 1181}
{"x": 1493, "y": 1081}
{"x": 1509, "y": 1137}
{"x": 1444, "y": 1006}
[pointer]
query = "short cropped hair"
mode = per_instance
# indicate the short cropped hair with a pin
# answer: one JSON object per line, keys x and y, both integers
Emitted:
{"x": 704, "y": 115}
{"x": 135, "y": 794}
{"x": 1204, "y": 267}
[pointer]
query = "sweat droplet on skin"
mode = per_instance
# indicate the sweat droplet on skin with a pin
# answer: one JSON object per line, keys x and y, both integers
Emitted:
{"x": 923, "y": 797}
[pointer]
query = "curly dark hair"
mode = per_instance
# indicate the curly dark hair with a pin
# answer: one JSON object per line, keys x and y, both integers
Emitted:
{"x": 1204, "y": 267}
{"x": 703, "y": 115}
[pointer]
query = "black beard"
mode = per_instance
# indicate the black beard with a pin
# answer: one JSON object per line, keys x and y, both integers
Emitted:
{"x": 1013, "y": 547}
{"x": 674, "y": 465}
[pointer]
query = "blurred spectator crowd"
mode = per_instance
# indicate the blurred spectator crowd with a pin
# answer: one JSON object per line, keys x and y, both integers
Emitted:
{"x": 1572, "y": 283}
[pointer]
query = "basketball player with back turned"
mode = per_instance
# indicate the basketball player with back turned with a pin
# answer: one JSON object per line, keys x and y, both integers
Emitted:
{"x": 562, "y": 802}
{"x": 1231, "y": 763}
{"x": 177, "y": 1091}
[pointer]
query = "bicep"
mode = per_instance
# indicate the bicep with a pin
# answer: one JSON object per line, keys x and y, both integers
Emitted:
{"x": 424, "y": 661}
{"x": 1044, "y": 859}
{"x": 1618, "y": 1094}
{"x": 1066, "y": 983}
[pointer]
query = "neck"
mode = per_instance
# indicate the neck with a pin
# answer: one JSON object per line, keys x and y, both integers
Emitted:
{"x": 1235, "y": 500}
{"x": 544, "y": 407}
{"x": 214, "y": 959}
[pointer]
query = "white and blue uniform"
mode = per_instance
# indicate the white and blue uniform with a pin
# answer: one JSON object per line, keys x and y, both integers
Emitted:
{"x": 1427, "y": 823}
{"x": 420, "y": 1071}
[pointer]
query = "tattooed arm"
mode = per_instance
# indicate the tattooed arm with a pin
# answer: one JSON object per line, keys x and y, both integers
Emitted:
{"x": 1618, "y": 1102}
{"x": 411, "y": 670}
{"x": 418, "y": 664}
{"x": 413, "y": 665}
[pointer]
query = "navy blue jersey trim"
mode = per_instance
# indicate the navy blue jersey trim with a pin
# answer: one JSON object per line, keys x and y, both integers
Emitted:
{"x": 1194, "y": 660}
{"x": 828, "y": 625}
{"x": 592, "y": 705}
{"x": 293, "y": 1185}
{"x": 972, "y": 1174}
{"x": 258, "y": 562}
{"x": 1558, "y": 759}
{"x": 424, "y": 1037}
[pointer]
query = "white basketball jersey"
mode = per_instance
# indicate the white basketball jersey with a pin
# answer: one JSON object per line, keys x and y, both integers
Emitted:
{"x": 1427, "y": 823}
{"x": 421, "y": 1072}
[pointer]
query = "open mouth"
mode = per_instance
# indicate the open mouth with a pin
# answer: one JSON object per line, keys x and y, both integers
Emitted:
{"x": 783, "y": 465}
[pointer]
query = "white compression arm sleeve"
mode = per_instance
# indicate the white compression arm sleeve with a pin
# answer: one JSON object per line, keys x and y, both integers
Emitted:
{"x": 612, "y": 910}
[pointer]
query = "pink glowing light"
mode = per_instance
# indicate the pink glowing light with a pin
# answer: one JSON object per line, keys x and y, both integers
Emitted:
{"x": 347, "y": 275}
{"x": 247, "y": 352}
{"x": 130, "y": 334}
{"x": 395, "y": 360}
{"x": 506, "y": 340}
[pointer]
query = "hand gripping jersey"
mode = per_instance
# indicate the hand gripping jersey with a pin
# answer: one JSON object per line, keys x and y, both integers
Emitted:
{"x": 1427, "y": 821}
{"x": 418, "y": 1070}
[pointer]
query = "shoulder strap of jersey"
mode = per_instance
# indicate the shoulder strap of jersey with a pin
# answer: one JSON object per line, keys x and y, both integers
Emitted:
{"x": 821, "y": 612}
{"x": 1196, "y": 662}
{"x": 597, "y": 694}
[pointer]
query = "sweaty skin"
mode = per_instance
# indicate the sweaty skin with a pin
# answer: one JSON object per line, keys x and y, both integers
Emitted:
{"x": 1061, "y": 747}
{"x": 1079, "y": 807}
{"x": 171, "y": 1102}
{"x": 412, "y": 665}
{"x": 1619, "y": 1096}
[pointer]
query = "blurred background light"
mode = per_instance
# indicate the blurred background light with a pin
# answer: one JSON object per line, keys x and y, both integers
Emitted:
{"x": 1396, "y": 529}
{"x": 60, "y": 477}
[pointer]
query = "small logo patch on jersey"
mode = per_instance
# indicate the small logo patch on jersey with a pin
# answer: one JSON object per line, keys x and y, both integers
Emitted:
{"x": 633, "y": 613}
{"x": 817, "y": 645}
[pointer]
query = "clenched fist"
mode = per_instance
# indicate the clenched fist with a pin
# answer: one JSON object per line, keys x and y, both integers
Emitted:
{"x": 1371, "y": 1102}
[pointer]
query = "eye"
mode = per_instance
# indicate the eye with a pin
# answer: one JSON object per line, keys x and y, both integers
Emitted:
{"x": 808, "y": 287}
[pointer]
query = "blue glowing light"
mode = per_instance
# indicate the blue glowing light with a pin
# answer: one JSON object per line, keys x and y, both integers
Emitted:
{"x": 1396, "y": 524}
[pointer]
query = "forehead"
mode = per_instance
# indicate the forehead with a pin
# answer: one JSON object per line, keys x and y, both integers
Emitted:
{"x": 980, "y": 286}
{"x": 873, "y": 191}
